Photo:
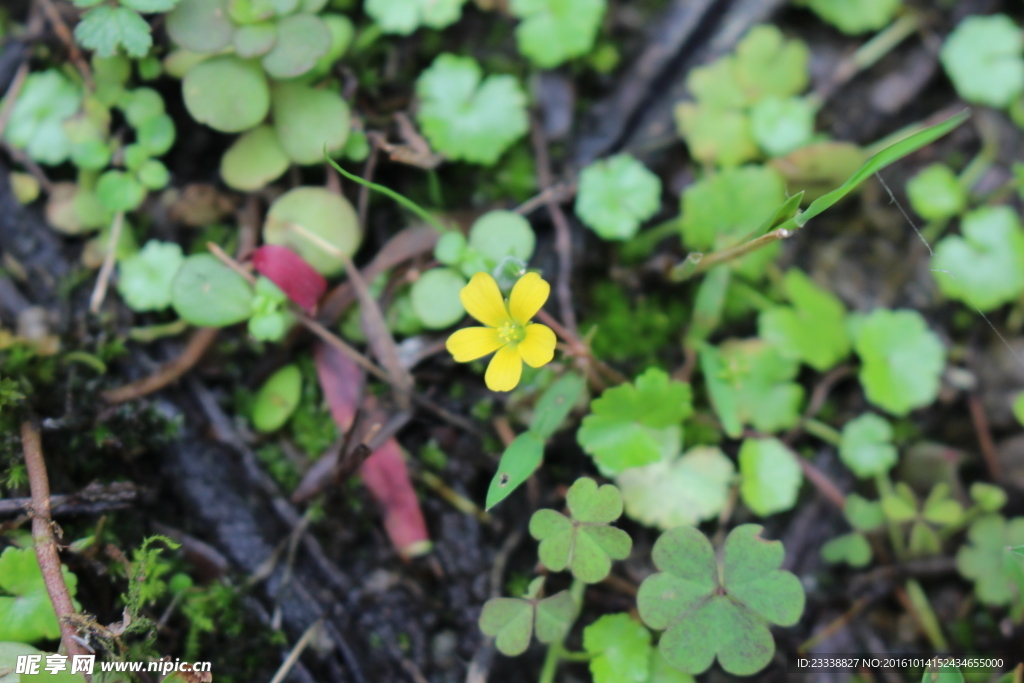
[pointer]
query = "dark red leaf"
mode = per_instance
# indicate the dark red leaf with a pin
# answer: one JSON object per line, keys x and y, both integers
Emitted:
{"x": 387, "y": 478}
{"x": 291, "y": 273}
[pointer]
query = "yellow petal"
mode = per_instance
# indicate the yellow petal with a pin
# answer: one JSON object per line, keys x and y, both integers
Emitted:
{"x": 483, "y": 300}
{"x": 539, "y": 346}
{"x": 528, "y": 296}
{"x": 504, "y": 370}
{"x": 472, "y": 343}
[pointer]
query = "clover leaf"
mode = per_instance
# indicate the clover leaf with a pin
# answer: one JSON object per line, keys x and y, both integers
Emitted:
{"x": 750, "y": 383}
{"x": 984, "y": 57}
{"x": 771, "y": 476}
{"x": 631, "y": 424}
{"x": 902, "y": 359}
{"x": 616, "y": 195}
{"x": 468, "y": 117}
{"x": 863, "y": 514}
{"x": 812, "y": 330}
{"x": 855, "y": 16}
{"x": 678, "y": 490}
{"x": 513, "y": 620}
{"x": 26, "y": 613}
{"x": 936, "y": 194}
{"x": 866, "y": 446}
{"x": 709, "y": 611}
{"x": 36, "y": 124}
{"x": 986, "y": 560}
{"x": 553, "y": 31}
{"x": 985, "y": 267}
{"x": 405, "y": 16}
{"x": 584, "y": 543}
{"x": 726, "y": 207}
{"x": 146, "y": 276}
{"x": 105, "y": 29}
{"x": 620, "y": 649}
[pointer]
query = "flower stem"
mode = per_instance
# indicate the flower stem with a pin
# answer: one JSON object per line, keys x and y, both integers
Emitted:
{"x": 822, "y": 431}
{"x": 556, "y": 650}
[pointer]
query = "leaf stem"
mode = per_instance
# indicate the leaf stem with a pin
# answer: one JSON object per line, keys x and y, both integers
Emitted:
{"x": 684, "y": 271}
{"x": 822, "y": 431}
{"x": 895, "y": 536}
{"x": 556, "y": 650}
{"x": 401, "y": 199}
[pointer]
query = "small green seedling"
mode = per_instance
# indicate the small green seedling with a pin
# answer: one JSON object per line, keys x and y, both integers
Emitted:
{"x": 938, "y": 511}
{"x": 270, "y": 319}
{"x": 435, "y": 298}
{"x": 277, "y": 399}
{"x": 855, "y": 16}
{"x": 254, "y": 160}
{"x": 318, "y": 225}
{"x": 207, "y": 293}
{"x": 984, "y": 57}
{"x": 26, "y": 613}
{"x": 853, "y": 548}
{"x": 616, "y": 195}
{"x": 750, "y": 383}
{"x": 987, "y": 559}
{"x": 985, "y": 267}
{"x": 553, "y": 31}
{"x": 678, "y": 490}
{"x": 36, "y": 124}
{"x": 936, "y": 194}
{"x": 621, "y": 651}
{"x": 525, "y": 453}
{"x": 813, "y": 330}
{"x": 634, "y": 424}
{"x": 584, "y": 542}
{"x": 866, "y": 446}
{"x": 107, "y": 28}
{"x": 771, "y": 476}
{"x": 405, "y": 16}
{"x": 466, "y": 116}
{"x": 514, "y": 620}
{"x": 710, "y": 609}
{"x": 902, "y": 360}
{"x": 145, "y": 277}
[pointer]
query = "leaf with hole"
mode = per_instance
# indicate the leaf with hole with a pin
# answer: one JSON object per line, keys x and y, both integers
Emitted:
{"x": 711, "y": 610}
{"x": 631, "y": 424}
{"x": 521, "y": 458}
{"x": 556, "y": 403}
{"x": 583, "y": 543}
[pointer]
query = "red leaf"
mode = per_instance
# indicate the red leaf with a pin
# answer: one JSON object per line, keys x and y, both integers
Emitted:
{"x": 341, "y": 381}
{"x": 386, "y": 477}
{"x": 292, "y": 274}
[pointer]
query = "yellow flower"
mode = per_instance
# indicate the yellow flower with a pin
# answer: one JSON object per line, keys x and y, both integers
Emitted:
{"x": 509, "y": 330}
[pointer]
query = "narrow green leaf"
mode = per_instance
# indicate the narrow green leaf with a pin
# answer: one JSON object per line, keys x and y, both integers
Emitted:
{"x": 556, "y": 402}
{"x": 518, "y": 462}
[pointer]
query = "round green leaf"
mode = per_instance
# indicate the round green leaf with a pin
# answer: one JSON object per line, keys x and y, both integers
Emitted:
{"x": 716, "y": 135}
{"x": 620, "y": 647}
{"x": 302, "y": 39}
{"x": 154, "y": 175}
{"x": 866, "y": 446}
{"x": 902, "y": 360}
{"x": 553, "y": 31}
{"x": 984, "y": 57}
{"x": 616, "y": 195}
{"x": 145, "y": 277}
{"x": 254, "y": 160}
{"x": 318, "y": 225}
{"x": 405, "y": 16}
{"x": 207, "y": 293}
{"x": 771, "y": 476}
{"x": 156, "y": 135}
{"x": 985, "y": 267}
{"x": 255, "y": 40}
{"x": 781, "y": 126}
{"x": 450, "y": 248}
{"x": 852, "y": 548}
{"x": 306, "y": 119}
{"x": 277, "y": 399}
{"x": 936, "y": 194}
{"x": 200, "y": 25}
{"x": 856, "y": 16}
{"x": 119, "y": 191}
{"x": 342, "y": 32}
{"x": 140, "y": 105}
{"x": 498, "y": 234}
{"x": 435, "y": 298}
{"x": 226, "y": 93}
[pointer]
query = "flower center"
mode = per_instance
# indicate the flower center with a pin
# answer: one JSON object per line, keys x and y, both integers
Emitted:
{"x": 511, "y": 332}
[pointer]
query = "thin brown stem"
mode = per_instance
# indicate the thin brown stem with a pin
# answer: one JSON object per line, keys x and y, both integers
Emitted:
{"x": 688, "y": 269}
{"x": 563, "y": 236}
{"x": 168, "y": 372}
{"x": 985, "y": 443}
{"x": 12, "y": 95}
{"x": 64, "y": 33}
{"x": 99, "y": 293}
{"x": 43, "y": 538}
